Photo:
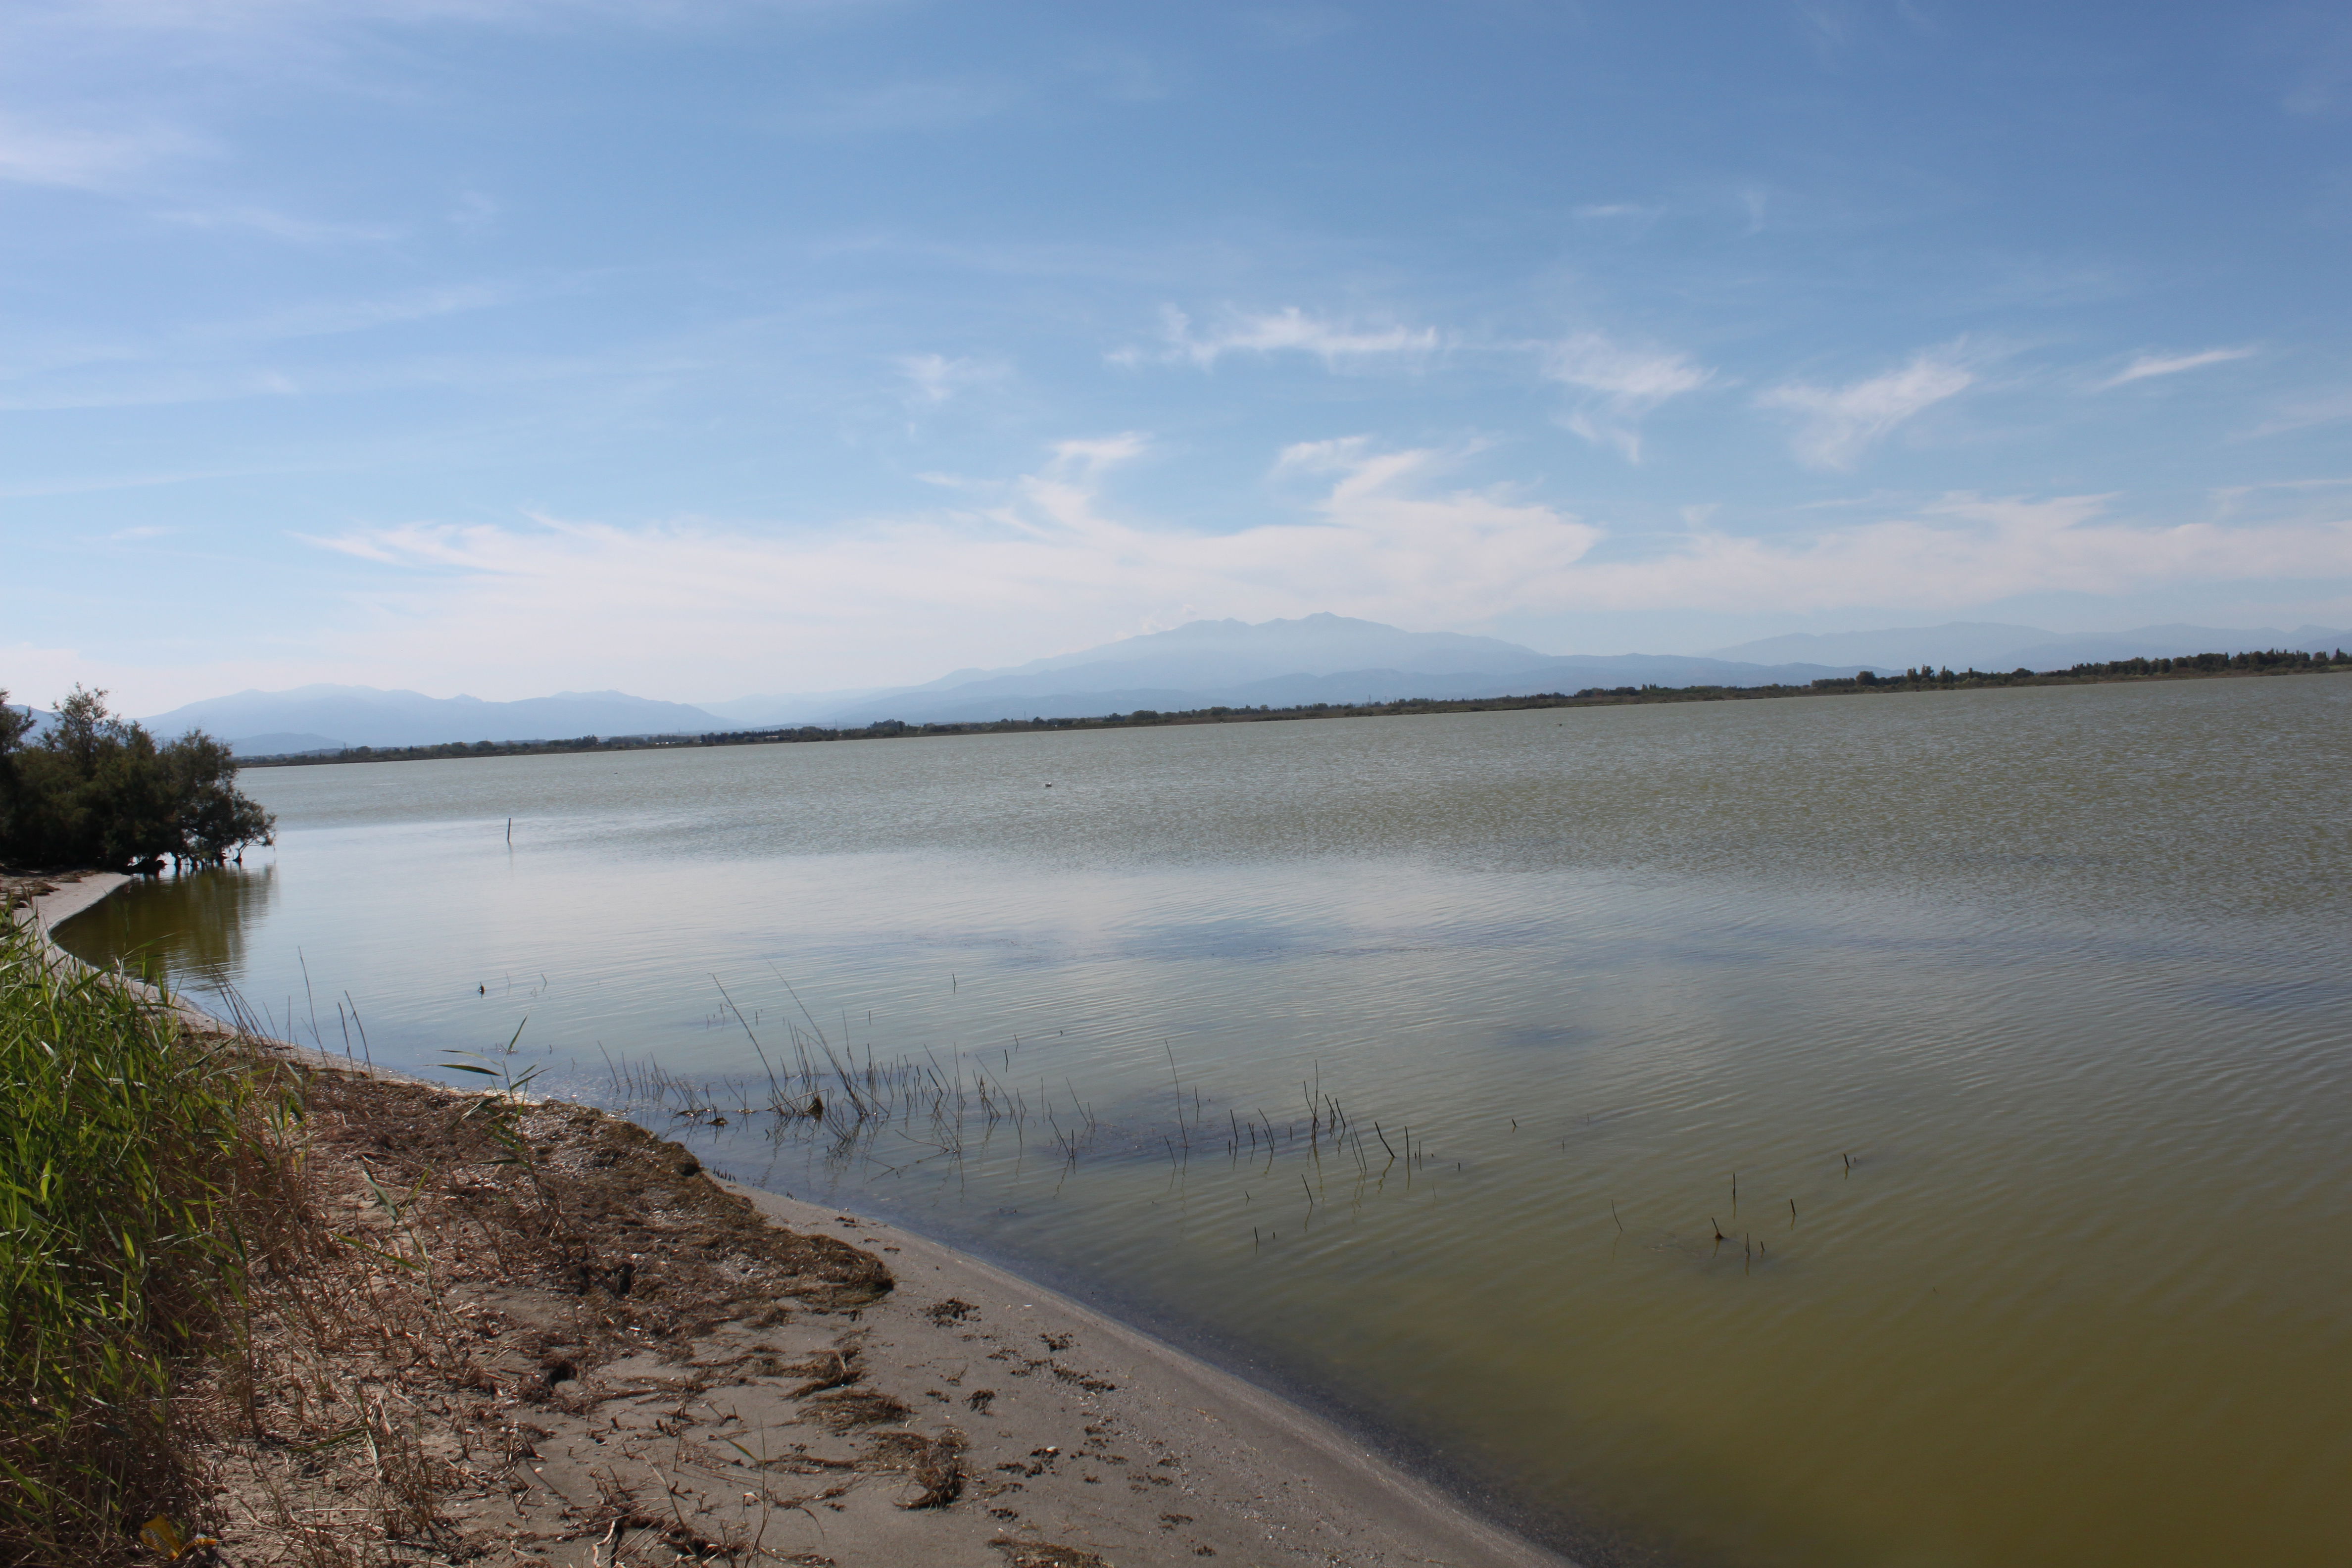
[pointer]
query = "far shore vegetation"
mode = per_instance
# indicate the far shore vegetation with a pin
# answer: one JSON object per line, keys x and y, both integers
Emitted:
{"x": 97, "y": 791}
{"x": 2199, "y": 667}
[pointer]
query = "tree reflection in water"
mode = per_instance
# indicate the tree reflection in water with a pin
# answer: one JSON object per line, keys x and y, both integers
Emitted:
{"x": 187, "y": 932}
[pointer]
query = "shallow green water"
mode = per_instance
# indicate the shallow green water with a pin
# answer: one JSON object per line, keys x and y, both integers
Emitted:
{"x": 2062, "y": 971}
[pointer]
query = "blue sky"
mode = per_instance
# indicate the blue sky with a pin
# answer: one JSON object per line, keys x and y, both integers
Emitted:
{"x": 699, "y": 348}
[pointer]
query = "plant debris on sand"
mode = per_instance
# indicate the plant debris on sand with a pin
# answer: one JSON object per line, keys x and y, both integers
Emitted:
{"x": 491, "y": 1332}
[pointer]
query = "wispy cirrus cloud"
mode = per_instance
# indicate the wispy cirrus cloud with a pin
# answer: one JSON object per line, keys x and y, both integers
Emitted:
{"x": 933, "y": 380}
{"x": 1287, "y": 330}
{"x": 34, "y": 154}
{"x": 277, "y": 224}
{"x": 1622, "y": 386}
{"x": 2149, "y": 365}
{"x": 2307, "y": 411}
{"x": 1836, "y": 425}
{"x": 1627, "y": 220}
{"x": 329, "y": 318}
{"x": 1967, "y": 550}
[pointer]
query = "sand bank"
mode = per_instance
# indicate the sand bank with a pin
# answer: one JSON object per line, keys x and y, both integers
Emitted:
{"x": 52, "y": 900}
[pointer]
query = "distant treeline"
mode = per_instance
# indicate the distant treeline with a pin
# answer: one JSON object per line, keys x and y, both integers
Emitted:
{"x": 98, "y": 790}
{"x": 2196, "y": 667}
{"x": 2275, "y": 661}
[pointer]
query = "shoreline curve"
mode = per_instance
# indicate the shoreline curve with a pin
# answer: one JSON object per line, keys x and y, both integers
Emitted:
{"x": 1279, "y": 1482}
{"x": 1255, "y": 1454}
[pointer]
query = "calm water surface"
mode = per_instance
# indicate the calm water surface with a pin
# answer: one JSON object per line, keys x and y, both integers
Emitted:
{"x": 2022, "y": 1021}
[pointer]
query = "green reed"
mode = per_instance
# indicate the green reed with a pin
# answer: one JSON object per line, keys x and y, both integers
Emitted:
{"x": 127, "y": 1148}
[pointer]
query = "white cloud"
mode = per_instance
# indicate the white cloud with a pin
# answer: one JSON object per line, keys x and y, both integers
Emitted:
{"x": 1632, "y": 220}
{"x": 1286, "y": 331}
{"x": 1962, "y": 551}
{"x": 935, "y": 379}
{"x": 1092, "y": 457}
{"x": 1838, "y": 424}
{"x": 687, "y": 605}
{"x": 35, "y": 155}
{"x": 1624, "y": 386}
{"x": 2147, "y": 365}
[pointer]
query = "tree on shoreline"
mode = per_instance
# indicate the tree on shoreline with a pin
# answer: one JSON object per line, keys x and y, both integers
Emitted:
{"x": 98, "y": 790}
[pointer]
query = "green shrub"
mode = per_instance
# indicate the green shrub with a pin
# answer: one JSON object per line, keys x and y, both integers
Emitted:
{"x": 128, "y": 1148}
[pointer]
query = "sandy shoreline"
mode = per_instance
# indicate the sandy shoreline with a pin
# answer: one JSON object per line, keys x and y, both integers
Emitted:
{"x": 1260, "y": 1479}
{"x": 1082, "y": 1441}
{"x": 70, "y": 895}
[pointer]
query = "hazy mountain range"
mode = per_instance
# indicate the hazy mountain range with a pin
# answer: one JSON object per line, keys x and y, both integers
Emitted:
{"x": 1277, "y": 664}
{"x": 1332, "y": 659}
{"x": 41, "y": 717}
{"x": 329, "y": 718}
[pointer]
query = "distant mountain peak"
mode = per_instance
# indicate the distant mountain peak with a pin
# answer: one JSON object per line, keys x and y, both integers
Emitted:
{"x": 1319, "y": 644}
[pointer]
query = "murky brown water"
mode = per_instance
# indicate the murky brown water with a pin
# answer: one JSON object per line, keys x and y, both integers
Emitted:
{"x": 2063, "y": 971}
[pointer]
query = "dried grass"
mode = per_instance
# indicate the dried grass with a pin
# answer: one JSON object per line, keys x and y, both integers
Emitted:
{"x": 934, "y": 1463}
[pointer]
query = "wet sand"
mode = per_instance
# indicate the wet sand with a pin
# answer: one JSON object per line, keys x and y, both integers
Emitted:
{"x": 1162, "y": 1436}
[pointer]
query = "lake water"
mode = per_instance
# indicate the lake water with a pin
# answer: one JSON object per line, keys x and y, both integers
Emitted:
{"x": 2021, "y": 1020}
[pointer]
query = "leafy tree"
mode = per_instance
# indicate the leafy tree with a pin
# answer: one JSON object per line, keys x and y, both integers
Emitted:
{"x": 97, "y": 790}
